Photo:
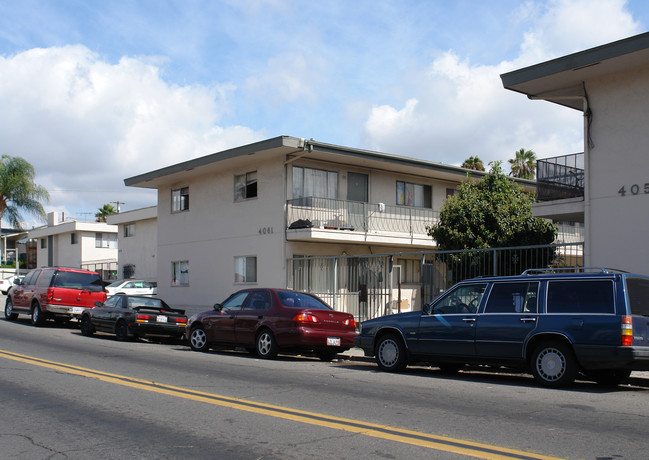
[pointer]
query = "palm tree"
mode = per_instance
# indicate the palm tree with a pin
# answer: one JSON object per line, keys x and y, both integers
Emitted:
{"x": 473, "y": 162}
{"x": 523, "y": 164}
{"x": 18, "y": 192}
{"x": 104, "y": 211}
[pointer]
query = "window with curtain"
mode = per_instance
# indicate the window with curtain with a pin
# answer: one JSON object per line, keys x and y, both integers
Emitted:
{"x": 416, "y": 195}
{"x": 308, "y": 182}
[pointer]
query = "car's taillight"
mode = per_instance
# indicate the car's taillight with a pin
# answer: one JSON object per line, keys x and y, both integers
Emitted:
{"x": 141, "y": 318}
{"x": 627, "y": 331}
{"x": 181, "y": 320}
{"x": 305, "y": 318}
{"x": 350, "y": 322}
{"x": 50, "y": 295}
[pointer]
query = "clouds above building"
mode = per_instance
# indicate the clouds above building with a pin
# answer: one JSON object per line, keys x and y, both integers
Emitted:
{"x": 93, "y": 95}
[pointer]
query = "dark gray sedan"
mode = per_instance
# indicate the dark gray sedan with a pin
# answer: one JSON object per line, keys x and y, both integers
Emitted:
{"x": 129, "y": 316}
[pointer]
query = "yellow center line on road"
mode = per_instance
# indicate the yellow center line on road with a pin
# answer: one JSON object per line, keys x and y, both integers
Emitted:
{"x": 430, "y": 441}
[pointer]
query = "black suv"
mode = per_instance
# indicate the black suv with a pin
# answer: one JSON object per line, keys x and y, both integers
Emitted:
{"x": 554, "y": 323}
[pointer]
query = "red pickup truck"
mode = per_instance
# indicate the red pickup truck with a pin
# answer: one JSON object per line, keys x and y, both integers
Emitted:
{"x": 54, "y": 293}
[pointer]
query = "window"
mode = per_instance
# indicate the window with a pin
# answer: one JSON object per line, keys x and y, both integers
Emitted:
{"x": 410, "y": 270}
{"x": 464, "y": 299}
{"x": 74, "y": 238}
{"x": 106, "y": 240}
{"x": 638, "y": 289}
{"x": 513, "y": 298}
{"x": 245, "y": 269}
{"x": 308, "y": 182}
{"x": 180, "y": 273}
{"x": 46, "y": 278}
{"x": 414, "y": 195}
{"x": 450, "y": 192}
{"x": 128, "y": 271}
{"x": 43, "y": 243}
{"x": 258, "y": 300}
{"x": 580, "y": 297}
{"x": 235, "y": 301}
{"x": 129, "y": 230}
{"x": 180, "y": 199}
{"x": 245, "y": 186}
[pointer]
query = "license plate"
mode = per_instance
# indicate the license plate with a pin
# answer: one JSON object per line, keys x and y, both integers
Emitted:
{"x": 161, "y": 319}
{"x": 77, "y": 310}
{"x": 333, "y": 341}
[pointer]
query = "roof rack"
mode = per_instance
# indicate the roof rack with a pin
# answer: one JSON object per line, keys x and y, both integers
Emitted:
{"x": 536, "y": 271}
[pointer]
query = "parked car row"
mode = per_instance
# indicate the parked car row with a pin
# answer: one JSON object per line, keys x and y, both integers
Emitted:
{"x": 263, "y": 321}
{"x": 553, "y": 324}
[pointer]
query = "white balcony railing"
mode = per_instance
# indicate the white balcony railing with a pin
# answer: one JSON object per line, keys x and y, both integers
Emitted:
{"x": 358, "y": 217}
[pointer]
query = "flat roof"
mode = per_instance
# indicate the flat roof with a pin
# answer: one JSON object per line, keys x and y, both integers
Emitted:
{"x": 561, "y": 80}
{"x": 294, "y": 148}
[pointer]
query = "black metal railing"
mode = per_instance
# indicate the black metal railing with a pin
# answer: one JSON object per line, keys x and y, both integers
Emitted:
{"x": 560, "y": 177}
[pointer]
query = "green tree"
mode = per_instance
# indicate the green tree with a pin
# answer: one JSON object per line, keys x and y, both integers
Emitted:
{"x": 18, "y": 192}
{"x": 523, "y": 165}
{"x": 494, "y": 212}
{"x": 104, "y": 211}
{"x": 474, "y": 163}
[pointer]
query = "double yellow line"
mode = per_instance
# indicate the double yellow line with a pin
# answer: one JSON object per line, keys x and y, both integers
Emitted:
{"x": 441, "y": 443}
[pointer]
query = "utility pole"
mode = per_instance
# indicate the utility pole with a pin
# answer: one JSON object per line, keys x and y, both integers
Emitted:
{"x": 118, "y": 203}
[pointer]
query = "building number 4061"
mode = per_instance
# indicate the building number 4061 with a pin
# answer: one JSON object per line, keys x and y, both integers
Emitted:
{"x": 634, "y": 189}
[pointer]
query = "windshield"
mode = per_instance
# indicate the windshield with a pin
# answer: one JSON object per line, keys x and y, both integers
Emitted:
{"x": 115, "y": 284}
{"x": 638, "y": 289}
{"x": 301, "y": 300}
{"x": 79, "y": 280}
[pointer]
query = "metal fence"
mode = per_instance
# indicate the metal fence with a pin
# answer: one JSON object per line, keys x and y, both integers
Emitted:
{"x": 376, "y": 285}
{"x": 358, "y": 216}
{"x": 560, "y": 177}
{"x": 107, "y": 270}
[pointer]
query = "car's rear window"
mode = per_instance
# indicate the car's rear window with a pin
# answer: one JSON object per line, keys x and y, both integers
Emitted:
{"x": 583, "y": 297}
{"x": 638, "y": 290}
{"x": 79, "y": 280}
{"x": 300, "y": 300}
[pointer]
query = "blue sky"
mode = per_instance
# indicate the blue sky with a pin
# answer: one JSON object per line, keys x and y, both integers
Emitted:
{"x": 94, "y": 92}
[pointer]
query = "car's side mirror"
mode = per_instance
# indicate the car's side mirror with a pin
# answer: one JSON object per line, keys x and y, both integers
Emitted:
{"x": 18, "y": 282}
{"x": 218, "y": 307}
{"x": 98, "y": 304}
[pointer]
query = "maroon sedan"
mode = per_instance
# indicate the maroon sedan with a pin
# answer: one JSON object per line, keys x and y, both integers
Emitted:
{"x": 267, "y": 321}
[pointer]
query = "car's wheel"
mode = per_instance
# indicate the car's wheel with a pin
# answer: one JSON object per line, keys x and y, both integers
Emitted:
{"x": 610, "y": 377}
{"x": 198, "y": 339}
{"x": 390, "y": 353}
{"x": 87, "y": 329}
{"x": 553, "y": 365}
{"x": 37, "y": 316}
{"x": 121, "y": 331}
{"x": 326, "y": 355}
{"x": 265, "y": 345}
{"x": 9, "y": 310}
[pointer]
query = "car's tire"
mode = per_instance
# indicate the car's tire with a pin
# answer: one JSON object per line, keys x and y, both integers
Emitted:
{"x": 553, "y": 365}
{"x": 390, "y": 353}
{"x": 610, "y": 377}
{"x": 326, "y": 355}
{"x": 9, "y": 310}
{"x": 198, "y": 339}
{"x": 265, "y": 344}
{"x": 37, "y": 317}
{"x": 121, "y": 331}
{"x": 87, "y": 329}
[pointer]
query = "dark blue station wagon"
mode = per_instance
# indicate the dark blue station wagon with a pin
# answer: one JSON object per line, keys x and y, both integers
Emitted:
{"x": 552, "y": 323}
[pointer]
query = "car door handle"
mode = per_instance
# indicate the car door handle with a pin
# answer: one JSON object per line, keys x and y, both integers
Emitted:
{"x": 469, "y": 320}
{"x": 528, "y": 320}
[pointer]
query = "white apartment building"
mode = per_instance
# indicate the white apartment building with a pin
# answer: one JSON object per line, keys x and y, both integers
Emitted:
{"x": 71, "y": 243}
{"x": 137, "y": 242}
{"x": 607, "y": 186}
{"x": 232, "y": 219}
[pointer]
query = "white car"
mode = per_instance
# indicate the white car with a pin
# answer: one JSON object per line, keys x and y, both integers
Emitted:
{"x": 132, "y": 287}
{"x": 6, "y": 283}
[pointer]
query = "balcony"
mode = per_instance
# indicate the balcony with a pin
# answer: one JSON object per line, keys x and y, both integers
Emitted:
{"x": 329, "y": 220}
{"x": 560, "y": 177}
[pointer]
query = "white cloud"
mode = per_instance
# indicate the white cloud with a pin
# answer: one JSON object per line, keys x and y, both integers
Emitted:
{"x": 454, "y": 109}
{"x": 86, "y": 124}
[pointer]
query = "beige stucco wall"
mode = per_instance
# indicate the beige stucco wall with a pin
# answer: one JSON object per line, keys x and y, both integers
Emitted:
{"x": 141, "y": 249}
{"x": 616, "y": 225}
{"x": 215, "y": 230}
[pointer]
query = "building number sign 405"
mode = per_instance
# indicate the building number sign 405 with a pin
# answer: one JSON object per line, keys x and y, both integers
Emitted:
{"x": 635, "y": 189}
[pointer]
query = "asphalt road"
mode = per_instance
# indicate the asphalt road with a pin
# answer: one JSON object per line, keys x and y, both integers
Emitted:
{"x": 63, "y": 395}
